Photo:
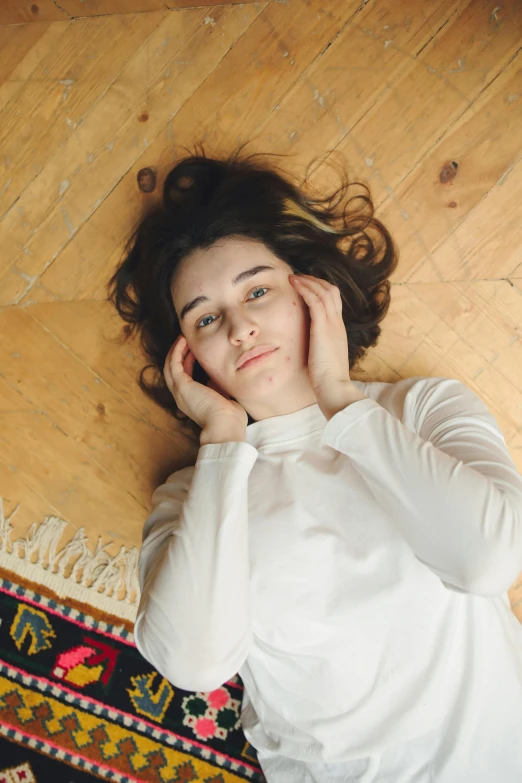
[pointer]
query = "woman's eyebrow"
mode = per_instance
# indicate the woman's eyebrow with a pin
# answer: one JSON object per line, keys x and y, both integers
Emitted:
{"x": 241, "y": 277}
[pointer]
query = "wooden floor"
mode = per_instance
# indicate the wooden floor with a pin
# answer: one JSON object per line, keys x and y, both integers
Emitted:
{"x": 424, "y": 101}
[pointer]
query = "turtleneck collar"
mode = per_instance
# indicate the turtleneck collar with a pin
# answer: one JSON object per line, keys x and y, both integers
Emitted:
{"x": 280, "y": 429}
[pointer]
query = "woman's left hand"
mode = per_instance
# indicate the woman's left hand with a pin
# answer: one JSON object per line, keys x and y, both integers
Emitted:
{"x": 328, "y": 361}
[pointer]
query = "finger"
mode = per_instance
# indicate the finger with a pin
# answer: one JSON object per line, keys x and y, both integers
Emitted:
{"x": 317, "y": 283}
{"x": 176, "y": 357}
{"x": 311, "y": 290}
{"x": 189, "y": 362}
{"x": 180, "y": 350}
{"x": 311, "y": 279}
{"x": 175, "y": 348}
{"x": 183, "y": 359}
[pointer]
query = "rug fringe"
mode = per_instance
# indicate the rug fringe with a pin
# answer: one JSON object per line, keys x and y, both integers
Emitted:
{"x": 90, "y": 573}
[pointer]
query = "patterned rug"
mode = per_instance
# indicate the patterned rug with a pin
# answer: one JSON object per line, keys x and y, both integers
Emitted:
{"x": 79, "y": 703}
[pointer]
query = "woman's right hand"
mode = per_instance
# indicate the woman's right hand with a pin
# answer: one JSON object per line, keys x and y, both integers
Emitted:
{"x": 206, "y": 405}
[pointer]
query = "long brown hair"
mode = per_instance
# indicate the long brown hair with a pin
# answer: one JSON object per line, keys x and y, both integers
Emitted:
{"x": 206, "y": 199}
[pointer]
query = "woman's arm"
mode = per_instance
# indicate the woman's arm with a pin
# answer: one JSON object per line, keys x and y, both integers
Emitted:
{"x": 445, "y": 476}
{"x": 193, "y": 623}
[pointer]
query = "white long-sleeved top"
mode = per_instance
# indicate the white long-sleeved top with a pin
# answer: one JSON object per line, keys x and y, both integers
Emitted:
{"x": 354, "y": 572}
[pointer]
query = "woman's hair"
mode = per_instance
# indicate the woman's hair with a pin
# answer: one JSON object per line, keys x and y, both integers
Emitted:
{"x": 206, "y": 199}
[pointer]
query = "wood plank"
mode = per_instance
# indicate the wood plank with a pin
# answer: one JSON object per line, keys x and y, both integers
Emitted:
{"x": 63, "y": 473}
{"x": 115, "y": 438}
{"x": 204, "y": 103}
{"x": 14, "y": 13}
{"x": 437, "y": 233}
{"x": 443, "y": 80}
{"x": 34, "y": 128}
{"x": 93, "y": 332}
{"x": 356, "y": 75}
{"x": 52, "y": 209}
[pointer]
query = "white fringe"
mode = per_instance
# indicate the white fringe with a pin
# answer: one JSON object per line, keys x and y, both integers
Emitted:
{"x": 91, "y": 572}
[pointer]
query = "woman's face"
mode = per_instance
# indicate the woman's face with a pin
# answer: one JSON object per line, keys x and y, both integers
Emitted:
{"x": 262, "y": 309}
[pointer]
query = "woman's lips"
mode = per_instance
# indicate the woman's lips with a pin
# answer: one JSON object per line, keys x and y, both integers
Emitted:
{"x": 257, "y": 359}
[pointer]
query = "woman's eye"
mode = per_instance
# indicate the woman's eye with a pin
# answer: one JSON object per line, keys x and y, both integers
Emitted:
{"x": 209, "y": 316}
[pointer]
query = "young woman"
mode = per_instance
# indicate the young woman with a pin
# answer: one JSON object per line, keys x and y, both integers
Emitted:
{"x": 345, "y": 546}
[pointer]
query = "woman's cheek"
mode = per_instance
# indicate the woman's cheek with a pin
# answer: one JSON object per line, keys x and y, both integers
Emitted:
{"x": 207, "y": 364}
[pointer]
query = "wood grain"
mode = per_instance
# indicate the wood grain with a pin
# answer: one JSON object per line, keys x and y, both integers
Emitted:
{"x": 422, "y": 100}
